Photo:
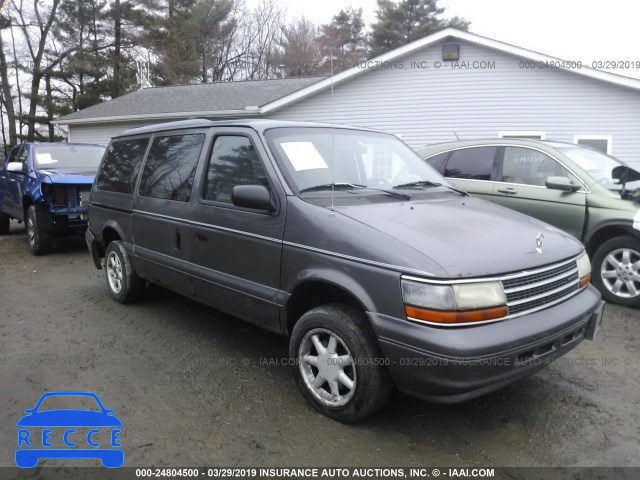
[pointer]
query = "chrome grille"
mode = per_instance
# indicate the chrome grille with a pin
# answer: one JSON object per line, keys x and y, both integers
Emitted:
{"x": 536, "y": 289}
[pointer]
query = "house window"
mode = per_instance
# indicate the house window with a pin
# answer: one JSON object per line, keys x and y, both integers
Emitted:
{"x": 599, "y": 142}
{"x": 522, "y": 134}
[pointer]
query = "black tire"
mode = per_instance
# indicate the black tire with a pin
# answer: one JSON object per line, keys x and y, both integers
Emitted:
{"x": 368, "y": 373}
{"x": 4, "y": 224}
{"x": 124, "y": 285}
{"x": 40, "y": 242}
{"x": 626, "y": 251}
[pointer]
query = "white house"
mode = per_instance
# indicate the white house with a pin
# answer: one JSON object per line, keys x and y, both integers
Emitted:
{"x": 448, "y": 85}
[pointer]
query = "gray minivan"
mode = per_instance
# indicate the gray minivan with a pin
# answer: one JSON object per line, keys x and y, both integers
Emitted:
{"x": 379, "y": 271}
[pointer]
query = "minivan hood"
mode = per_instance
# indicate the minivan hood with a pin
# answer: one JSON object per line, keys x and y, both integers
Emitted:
{"x": 465, "y": 236}
{"x": 79, "y": 176}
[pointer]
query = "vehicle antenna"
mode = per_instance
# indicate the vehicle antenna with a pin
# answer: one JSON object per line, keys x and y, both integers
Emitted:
{"x": 456, "y": 135}
{"x": 333, "y": 146}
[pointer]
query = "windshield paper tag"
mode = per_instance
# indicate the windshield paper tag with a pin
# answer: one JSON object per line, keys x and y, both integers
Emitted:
{"x": 304, "y": 156}
{"x": 45, "y": 159}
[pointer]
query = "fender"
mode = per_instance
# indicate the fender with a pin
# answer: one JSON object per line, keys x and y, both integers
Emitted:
{"x": 335, "y": 278}
{"x": 112, "y": 224}
{"x": 626, "y": 225}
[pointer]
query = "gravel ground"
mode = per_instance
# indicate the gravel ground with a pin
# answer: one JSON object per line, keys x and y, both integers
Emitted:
{"x": 195, "y": 387}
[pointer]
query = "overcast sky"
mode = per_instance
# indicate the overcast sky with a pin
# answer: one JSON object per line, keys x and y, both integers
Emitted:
{"x": 578, "y": 30}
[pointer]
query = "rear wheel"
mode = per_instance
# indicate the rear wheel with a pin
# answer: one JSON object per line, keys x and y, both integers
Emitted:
{"x": 337, "y": 363}
{"x": 616, "y": 270}
{"x": 4, "y": 223}
{"x": 124, "y": 284}
{"x": 40, "y": 242}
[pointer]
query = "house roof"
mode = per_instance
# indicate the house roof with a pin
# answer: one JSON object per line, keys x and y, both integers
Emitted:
{"x": 242, "y": 98}
{"x": 447, "y": 33}
{"x": 251, "y": 98}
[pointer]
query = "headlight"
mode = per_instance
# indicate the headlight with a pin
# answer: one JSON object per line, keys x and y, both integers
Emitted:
{"x": 454, "y": 304}
{"x": 584, "y": 270}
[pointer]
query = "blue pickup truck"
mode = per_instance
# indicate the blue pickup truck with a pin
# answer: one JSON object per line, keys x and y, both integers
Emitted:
{"x": 40, "y": 184}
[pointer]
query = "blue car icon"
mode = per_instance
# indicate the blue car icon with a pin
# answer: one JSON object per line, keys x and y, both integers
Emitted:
{"x": 42, "y": 431}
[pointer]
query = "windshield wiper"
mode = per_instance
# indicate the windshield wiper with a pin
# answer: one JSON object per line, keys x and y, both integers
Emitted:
{"x": 428, "y": 183}
{"x": 329, "y": 186}
{"x": 353, "y": 186}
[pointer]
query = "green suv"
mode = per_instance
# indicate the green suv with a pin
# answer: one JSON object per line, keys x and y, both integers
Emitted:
{"x": 591, "y": 195}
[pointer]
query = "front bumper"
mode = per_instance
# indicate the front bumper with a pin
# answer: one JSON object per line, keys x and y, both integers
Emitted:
{"x": 456, "y": 364}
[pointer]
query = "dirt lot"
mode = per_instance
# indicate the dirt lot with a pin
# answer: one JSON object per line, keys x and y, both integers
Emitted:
{"x": 194, "y": 387}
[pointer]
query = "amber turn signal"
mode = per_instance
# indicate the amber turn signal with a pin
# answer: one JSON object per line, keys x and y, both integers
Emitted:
{"x": 584, "y": 281}
{"x": 452, "y": 318}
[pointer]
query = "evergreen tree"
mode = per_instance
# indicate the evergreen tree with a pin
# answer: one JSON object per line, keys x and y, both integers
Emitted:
{"x": 408, "y": 20}
{"x": 80, "y": 26}
{"x": 344, "y": 39}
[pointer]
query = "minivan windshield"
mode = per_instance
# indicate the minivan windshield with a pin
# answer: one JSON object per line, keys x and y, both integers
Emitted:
{"x": 324, "y": 159}
{"x": 66, "y": 157}
{"x": 598, "y": 165}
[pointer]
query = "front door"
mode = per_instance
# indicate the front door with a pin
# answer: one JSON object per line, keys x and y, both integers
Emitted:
{"x": 14, "y": 181}
{"x": 521, "y": 186}
{"x": 237, "y": 251}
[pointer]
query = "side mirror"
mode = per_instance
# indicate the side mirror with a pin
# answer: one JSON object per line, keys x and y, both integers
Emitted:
{"x": 252, "y": 196}
{"x": 15, "y": 167}
{"x": 561, "y": 183}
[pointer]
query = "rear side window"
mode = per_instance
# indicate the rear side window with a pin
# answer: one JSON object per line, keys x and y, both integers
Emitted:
{"x": 171, "y": 167}
{"x": 119, "y": 169}
{"x": 234, "y": 161}
{"x": 472, "y": 163}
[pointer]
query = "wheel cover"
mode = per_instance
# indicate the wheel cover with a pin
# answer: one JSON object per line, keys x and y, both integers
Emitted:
{"x": 327, "y": 367}
{"x": 620, "y": 272}
{"x": 114, "y": 272}
{"x": 31, "y": 231}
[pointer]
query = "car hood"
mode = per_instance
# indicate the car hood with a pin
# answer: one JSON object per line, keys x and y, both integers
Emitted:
{"x": 69, "y": 418}
{"x": 79, "y": 176}
{"x": 465, "y": 236}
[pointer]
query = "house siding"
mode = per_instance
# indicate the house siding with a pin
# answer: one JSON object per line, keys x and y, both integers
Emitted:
{"x": 429, "y": 105}
{"x": 100, "y": 133}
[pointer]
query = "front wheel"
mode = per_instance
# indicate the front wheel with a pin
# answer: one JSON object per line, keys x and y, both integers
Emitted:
{"x": 337, "y": 363}
{"x": 616, "y": 270}
{"x": 124, "y": 284}
{"x": 40, "y": 242}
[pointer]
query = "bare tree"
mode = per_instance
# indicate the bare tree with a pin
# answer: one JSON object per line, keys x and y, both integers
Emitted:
{"x": 260, "y": 35}
{"x": 41, "y": 22}
{"x": 300, "y": 49}
{"x": 7, "y": 97}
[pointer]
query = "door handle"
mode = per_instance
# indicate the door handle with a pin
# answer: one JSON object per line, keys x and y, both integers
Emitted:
{"x": 201, "y": 238}
{"x": 508, "y": 191}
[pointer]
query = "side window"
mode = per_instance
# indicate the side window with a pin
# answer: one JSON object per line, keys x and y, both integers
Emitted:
{"x": 473, "y": 163}
{"x": 233, "y": 162}
{"x": 23, "y": 157}
{"x": 171, "y": 166}
{"x": 119, "y": 169}
{"x": 530, "y": 167}
{"x": 438, "y": 161}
